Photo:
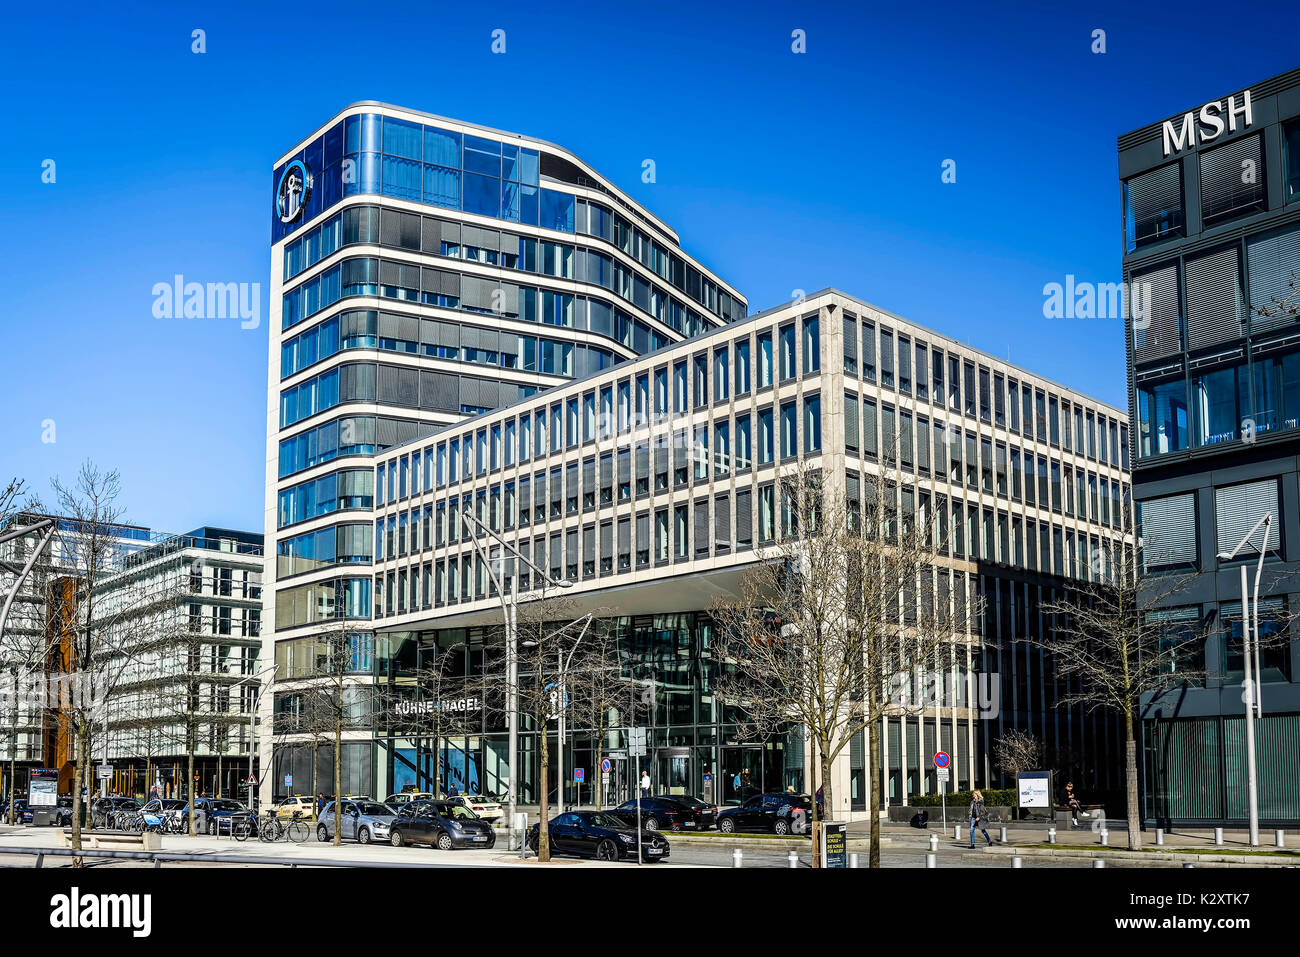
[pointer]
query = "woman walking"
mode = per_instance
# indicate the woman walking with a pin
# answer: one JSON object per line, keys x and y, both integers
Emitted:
{"x": 979, "y": 816}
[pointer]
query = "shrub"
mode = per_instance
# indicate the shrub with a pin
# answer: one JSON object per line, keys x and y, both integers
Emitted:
{"x": 992, "y": 798}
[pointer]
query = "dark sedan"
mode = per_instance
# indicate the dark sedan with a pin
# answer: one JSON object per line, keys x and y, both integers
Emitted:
{"x": 660, "y": 814}
{"x": 213, "y": 810}
{"x": 441, "y": 823}
{"x": 22, "y": 812}
{"x": 705, "y": 813}
{"x": 601, "y": 835}
{"x": 781, "y": 813}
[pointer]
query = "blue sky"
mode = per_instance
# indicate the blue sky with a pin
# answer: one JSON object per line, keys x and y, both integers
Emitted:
{"x": 780, "y": 171}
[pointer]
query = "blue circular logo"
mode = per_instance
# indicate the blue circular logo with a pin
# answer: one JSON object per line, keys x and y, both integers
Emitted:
{"x": 293, "y": 191}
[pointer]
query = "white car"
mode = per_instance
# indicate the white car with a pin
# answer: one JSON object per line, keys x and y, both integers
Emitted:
{"x": 486, "y": 808}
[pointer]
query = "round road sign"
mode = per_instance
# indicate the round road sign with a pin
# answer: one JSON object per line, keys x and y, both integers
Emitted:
{"x": 941, "y": 759}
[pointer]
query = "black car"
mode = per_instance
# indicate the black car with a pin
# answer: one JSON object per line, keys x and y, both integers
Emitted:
{"x": 601, "y": 835}
{"x": 210, "y": 811}
{"x": 659, "y": 814}
{"x": 705, "y": 813}
{"x": 63, "y": 812}
{"x": 441, "y": 823}
{"x": 22, "y": 813}
{"x": 779, "y": 813}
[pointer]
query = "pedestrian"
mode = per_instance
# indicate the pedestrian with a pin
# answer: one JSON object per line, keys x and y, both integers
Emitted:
{"x": 645, "y": 784}
{"x": 320, "y": 803}
{"x": 1072, "y": 802}
{"x": 821, "y": 803}
{"x": 979, "y": 815}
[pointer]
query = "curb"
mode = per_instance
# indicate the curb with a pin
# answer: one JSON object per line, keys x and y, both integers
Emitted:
{"x": 1151, "y": 858}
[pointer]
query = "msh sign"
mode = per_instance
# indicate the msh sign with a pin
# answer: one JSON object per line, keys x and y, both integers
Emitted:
{"x": 1207, "y": 123}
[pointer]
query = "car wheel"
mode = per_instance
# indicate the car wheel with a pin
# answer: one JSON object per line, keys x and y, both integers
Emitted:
{"x": 322, "y": 833}
{"x": 781, "y": 827}
{"x": 532, "y": 841}
{"x": 652, "y": 824}
{"x": 444, "y": 841}
{"x": 363, "y": 836}
{"x": 395, "y": 838}
{"x": 606, "y": 850}
{"x": 726, "y": 825}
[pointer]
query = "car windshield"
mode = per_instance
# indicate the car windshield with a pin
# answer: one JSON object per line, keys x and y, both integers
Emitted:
{"x": 374, "y": 808}
{"x": 604, "y": 820}
{"x": 226, "y": 806}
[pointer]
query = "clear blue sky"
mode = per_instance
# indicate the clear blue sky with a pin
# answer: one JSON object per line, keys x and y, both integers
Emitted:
{"x": 780, "y": 171}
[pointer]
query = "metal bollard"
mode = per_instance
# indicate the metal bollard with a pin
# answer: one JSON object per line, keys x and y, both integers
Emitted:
{"x": 1160, "y": 835}
{"x": 1104, "y": 836}
{"x": 1018, "y": 862}
{"x": 1051, "y": 835}
{"x": 1189, "y": 864}
{"x": 792, "y": 859}
{"x": 1098, "y": 862}
{"x": 737, "y": 857}
{"x": 934, "y": 842}
{"x": 1002, "y": 834}
{"x": 1279, "y": 838}
{"x": 1218, "y": 835}
{"x": 956, "y": 832}
{"x": 931, "y": 860}
{"x": 853, "y": 860}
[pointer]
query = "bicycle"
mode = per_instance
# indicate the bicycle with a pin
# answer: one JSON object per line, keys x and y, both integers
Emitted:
{"x": 273, "y": 829}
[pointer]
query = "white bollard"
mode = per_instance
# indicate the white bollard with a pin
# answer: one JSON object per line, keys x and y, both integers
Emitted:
{"x": 931, "y": 860}
{"x": 1104, "y": 835}
{"x": 956, "y": 831}
{"x": 853, "y": 860}
{"x": 1051, "y": 835}
{"x": 737, "y": 857}
{"x": 1002, "y": 834}
{"x": 1279, "y": 838}
{"x": 1160, "y": 835}
{"x": 1189, "y": 864}
{"x": 1218, "y": 835}
{"x": 934, "y": 842}
{"x": 1018, "y": 862}
{"x": 1098, "y": 862}
{"x": 792, "y": 859}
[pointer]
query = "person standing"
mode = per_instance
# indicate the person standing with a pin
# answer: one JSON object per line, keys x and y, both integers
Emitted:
{"x": 979, "y": 816}
{"x": 645, "y": 784}
{"x": 821, "y": 804}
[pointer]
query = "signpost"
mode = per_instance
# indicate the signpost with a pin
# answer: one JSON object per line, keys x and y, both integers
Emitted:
{"x": 104, "y": 772}
{"x": 941, "y": 763}
{"x": 1034, "y": 789}
{"x": 637, "y": 749}
{"x": 288, "y": 781}
{"x": 835, "y": 844}
{"x": 579, "y": 775}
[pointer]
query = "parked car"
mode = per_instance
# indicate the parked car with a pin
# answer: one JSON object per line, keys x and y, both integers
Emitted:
{"x": 215, "y": 810}
{"x": 360, "y": 821}
{"x": 299, "y": 802}
{"x": 775, "y": 813}
{"x": 22, "y": 813}
{"x": 482, "y": 806}
{"x": 659, "y": 814}
{"x": 102, "y": 808}
{"x": 601, "y": 835}
{"x": 396, "y": 801}
{"x": 706, "y": 813}
{"x": 63, "y": 812}
{"x": 444, "y": 824}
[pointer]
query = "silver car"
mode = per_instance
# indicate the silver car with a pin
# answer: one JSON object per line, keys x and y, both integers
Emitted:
{"x": 362, "y": 821}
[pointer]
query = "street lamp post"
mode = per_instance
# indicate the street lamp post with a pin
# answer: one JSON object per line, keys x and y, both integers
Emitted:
{"x": 1249, "y": 628}
{"x": 257, "y": 699}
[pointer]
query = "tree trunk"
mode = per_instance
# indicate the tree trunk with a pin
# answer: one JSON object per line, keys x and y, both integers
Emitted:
{"x": 189, "y": 770}
{"x": 814, "y": 774}
{"x": 83, "y": 749}
{"x": 873, "y": 804}
{"x": 827, "y": 791}
{"x": 543, "y": 831}
{"x": 1131, "y": 779}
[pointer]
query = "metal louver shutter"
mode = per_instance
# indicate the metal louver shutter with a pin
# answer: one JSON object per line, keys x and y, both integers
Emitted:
{"x": 386, "y": 433}
{"x": 1226, "y": 188}
{"x": 429, "y": 332}
{"x": 722, "y": 521}
{"x": 450, "y": 232}
{"x": 1156, "y": 313}
{"x": 642, "y": 461}
{"x": 624, "y": 536}
{"x": 1214, "y": 306}
{"x": 1236, "y": 510}
{"x": 1273, "y": 264}
{"x": 1168, "y": 530}
{"x": 439, "y": 391}
{"x": 589, "y": 544}
{"x": 1155, "y": 201}
{"x": 589, "y": 475}
{"x": 851, "y": 423}
{"x": 701, "y": 528}
{"x": 431, "y": 236}
{"x": 744, "y": 518}
{"x": 606, "y": 540}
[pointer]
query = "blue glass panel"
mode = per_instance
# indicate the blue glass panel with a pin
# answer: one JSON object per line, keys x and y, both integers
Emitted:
{"x": 557, "y": 211}
{"x": 367, "y": 173}
{"x": 509, "y": 161}
{"x": 528, "y": 167}
{"x": 333, "y": 141}
{"x": 510, "y": 201}
{"x": 528, "y": 205}
{"x": 352, "y": 134}
{"x": 482, "y": 156}
{"x": 482, "y": 195}
{"x": 442, "y": 186}
{"x": 402, "y": 178}
{"x": 441, "y": 147}
{"x": 371, "y": 132}
{"x": 402, "y": 138}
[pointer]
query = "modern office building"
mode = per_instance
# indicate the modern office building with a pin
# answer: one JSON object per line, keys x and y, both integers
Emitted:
{"x": 645, "y": 473}
{"x": 1211, "y": 201}
{"x": 178, "y": 622}
{"x": 425, "y": 270}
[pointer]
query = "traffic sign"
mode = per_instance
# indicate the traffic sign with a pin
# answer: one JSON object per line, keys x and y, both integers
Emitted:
{"x": 252, "y": 781}
{"x": 943, "y": 775}
{"x": 618, "y": 754}
{"x": 105, "y": 772}
{"x": 941, "y": 759}
{"x": 579, "y": 775}
{"x": 288, "y": 780}
{"x": 605, "y": 765}
{"x": 636, "y": 742}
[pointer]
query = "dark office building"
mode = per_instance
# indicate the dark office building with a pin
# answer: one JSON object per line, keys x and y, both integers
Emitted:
{"x": 1211, "y": 258}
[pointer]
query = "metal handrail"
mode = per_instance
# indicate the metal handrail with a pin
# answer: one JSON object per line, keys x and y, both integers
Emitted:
{"x": 159, "y": 856}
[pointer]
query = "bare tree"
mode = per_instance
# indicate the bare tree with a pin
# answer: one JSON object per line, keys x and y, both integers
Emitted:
{"x": 1017, "y": 751}
{"x": 1113, "y": 646}
{"x": 854, "y": 595}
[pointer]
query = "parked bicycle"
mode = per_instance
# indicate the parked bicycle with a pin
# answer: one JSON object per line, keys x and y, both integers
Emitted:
{"x": 270, "y": 828}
